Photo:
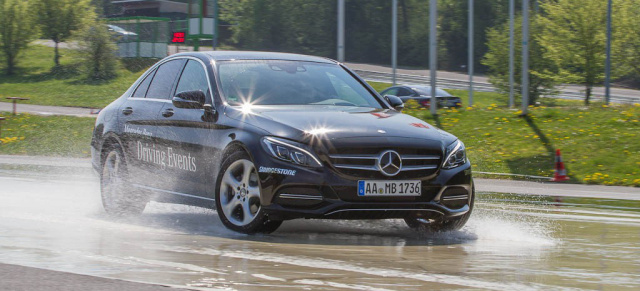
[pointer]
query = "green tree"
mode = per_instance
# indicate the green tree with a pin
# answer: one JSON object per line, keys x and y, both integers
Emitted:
{"x": 453, "y": 30}
{"x": 542, "y": 71}
{"x": 626, "y": 40}
{"x": 17, "y": 29}
{"x": 98, "y": 52}
{"x": 298, "y": 26}
{"x": 59, "y": 19}
{"x": 573, "y": 36}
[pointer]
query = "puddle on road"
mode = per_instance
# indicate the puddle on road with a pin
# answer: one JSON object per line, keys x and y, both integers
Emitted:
{"x": 511, "y": 242}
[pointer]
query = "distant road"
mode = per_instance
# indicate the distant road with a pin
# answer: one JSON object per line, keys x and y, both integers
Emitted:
{"x": 454, "y": 80}
{"x": 48, "y": 110}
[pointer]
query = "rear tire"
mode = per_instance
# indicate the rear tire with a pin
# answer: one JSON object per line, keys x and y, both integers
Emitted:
{"x": 117, "y": 199}
{"x": 432, "y": 226}
{"x": 238, "y": 196}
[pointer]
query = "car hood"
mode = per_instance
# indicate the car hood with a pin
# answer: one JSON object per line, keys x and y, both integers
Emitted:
{"x": 303, "y": 123}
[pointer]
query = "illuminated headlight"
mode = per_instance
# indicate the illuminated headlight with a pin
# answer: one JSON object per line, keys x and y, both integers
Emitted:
{"x": 456, "y": 155}
{"x": 287, "y": 151}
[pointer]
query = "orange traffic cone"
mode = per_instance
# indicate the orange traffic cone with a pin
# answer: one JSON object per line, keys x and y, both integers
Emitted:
{"x": 560, "y": 173}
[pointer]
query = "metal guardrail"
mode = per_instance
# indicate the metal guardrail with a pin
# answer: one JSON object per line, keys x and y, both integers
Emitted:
{"x": 477, "y": 86}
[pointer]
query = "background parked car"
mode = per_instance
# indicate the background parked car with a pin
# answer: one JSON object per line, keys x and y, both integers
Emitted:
{"x": 422, "y": 95}
{"x": 121, "y": 33}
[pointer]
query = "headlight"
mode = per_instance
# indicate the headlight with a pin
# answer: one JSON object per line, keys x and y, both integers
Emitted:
{"x": 287, "y": 151}
{"x": 456, "y": 155}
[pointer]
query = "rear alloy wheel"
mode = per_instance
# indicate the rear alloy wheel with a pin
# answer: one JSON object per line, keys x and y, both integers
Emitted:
{"x": 432, "y": 225}
{"x": 116, "y": 199}
{"x": 238, "y": 197}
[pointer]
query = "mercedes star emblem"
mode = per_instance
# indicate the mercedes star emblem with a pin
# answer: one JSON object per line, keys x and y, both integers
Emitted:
{"x": 389, "y": 163}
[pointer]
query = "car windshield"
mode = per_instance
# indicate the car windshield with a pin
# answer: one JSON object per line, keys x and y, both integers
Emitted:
{"x": 276, "y": 82}
{"x": 426, "y": 91}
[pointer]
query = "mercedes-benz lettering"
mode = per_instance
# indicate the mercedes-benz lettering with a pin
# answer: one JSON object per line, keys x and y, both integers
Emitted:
{"x": 267, "y": 137}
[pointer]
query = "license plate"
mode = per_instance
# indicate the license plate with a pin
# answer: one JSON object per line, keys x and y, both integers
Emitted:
{"x": 389, "y": 188}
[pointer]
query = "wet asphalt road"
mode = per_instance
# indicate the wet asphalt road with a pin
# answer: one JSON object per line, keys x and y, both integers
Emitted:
{"x": 51, "y": 218}
{"x": 18, "y": 278}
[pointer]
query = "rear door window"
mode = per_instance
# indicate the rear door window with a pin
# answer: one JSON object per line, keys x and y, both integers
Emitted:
{"x": 404, "y": 92}
{"x": 164, "y": 79}
{"x": 141, "y": 91}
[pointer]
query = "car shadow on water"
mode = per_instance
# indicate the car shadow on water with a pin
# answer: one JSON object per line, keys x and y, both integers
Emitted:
{"x": 204, "y": 222}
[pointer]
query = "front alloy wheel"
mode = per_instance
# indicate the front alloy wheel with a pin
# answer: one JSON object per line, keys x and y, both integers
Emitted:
{"x": 238, "y": 197}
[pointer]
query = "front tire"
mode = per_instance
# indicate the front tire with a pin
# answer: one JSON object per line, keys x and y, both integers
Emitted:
{"x": 238, "y": 197}
{"x": 116, "y": 199}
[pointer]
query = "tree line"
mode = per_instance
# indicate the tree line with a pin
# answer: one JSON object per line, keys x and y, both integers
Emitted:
{"x": 309, "y": 26}
{"x": 23, "y": 21}
{"x": 567, "y": 41}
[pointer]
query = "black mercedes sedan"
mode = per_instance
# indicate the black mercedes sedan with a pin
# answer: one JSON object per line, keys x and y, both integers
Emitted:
{"x": 267, "y": 137}
{"x": 422, "y": 95}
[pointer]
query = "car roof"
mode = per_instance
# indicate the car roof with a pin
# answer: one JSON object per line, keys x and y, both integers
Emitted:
{"x": 255, "y": 55}
{"x": 421, "y": 87}
{"x": 398, "y": 86}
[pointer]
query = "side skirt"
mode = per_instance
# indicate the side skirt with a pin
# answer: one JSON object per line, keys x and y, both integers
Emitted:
{"x": 166, "y": 196}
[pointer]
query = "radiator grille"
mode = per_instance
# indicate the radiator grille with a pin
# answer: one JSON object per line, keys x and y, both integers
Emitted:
{"x": 363, "y": 163}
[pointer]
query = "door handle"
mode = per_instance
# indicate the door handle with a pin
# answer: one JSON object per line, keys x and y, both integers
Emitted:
{"x": 168, "y": 112}
{"x": 127, "y": 111}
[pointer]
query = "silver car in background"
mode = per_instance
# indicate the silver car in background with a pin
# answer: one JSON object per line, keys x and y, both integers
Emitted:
{"x": 422, "y": 95}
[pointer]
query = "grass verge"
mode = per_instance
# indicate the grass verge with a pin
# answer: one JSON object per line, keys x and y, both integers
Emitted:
{"x": 599, "y": 144}
{"x": 33, "y": 135}
{"x": 66, "y": 85}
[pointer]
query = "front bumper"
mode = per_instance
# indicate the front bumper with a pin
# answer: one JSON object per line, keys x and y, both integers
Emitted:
{"x": 325, "y": 193}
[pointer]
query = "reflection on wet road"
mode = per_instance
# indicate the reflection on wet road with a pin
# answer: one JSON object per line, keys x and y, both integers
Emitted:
{"x": 55, "y": 221}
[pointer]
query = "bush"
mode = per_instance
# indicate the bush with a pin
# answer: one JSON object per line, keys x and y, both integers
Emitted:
{"x": 17, "y": 29}
{"x": 98, "y": 52}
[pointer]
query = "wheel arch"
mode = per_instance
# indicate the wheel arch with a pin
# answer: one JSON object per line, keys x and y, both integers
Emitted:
{"x": 248, "y": 142}
{"x": 109, "y": 140}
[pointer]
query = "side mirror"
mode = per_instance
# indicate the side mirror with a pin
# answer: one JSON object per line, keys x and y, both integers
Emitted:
{"x": 189, "y": 99}
{"x": 395, "y": 102}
